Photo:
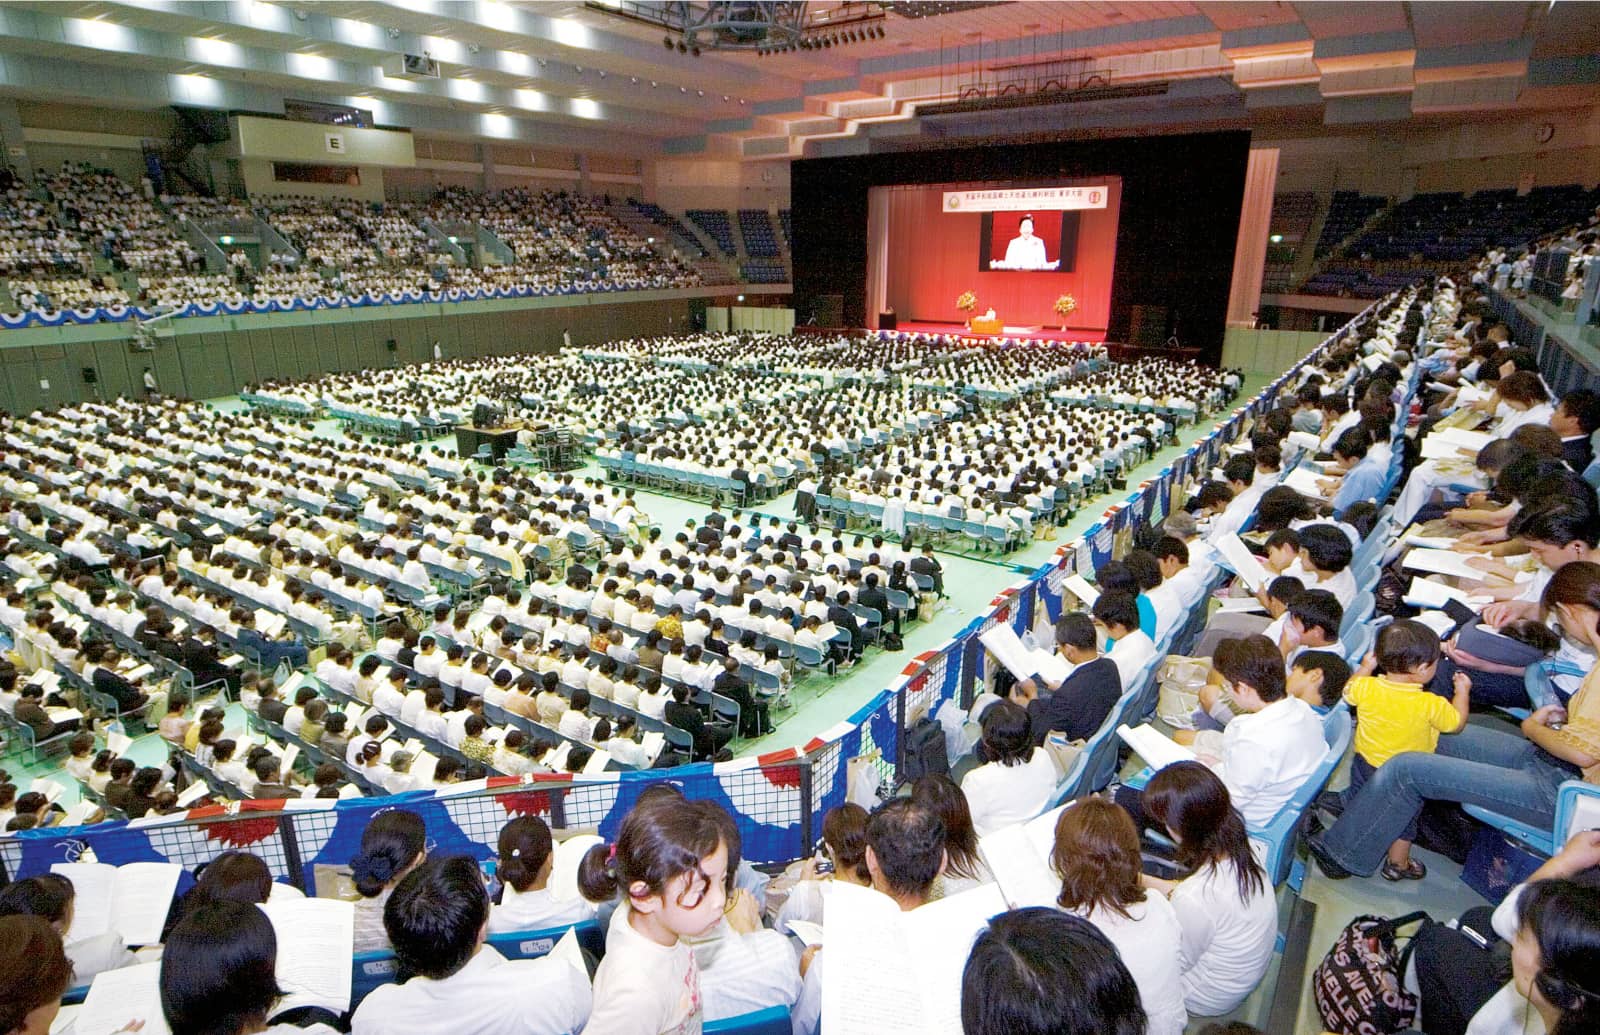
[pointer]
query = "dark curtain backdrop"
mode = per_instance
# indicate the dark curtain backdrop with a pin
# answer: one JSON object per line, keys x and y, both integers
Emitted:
{"x": 933, "y": 257}
{"x": 1179, "y": 220}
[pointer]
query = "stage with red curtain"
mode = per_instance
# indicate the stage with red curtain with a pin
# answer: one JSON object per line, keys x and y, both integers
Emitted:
{"x": 930, "y": 256}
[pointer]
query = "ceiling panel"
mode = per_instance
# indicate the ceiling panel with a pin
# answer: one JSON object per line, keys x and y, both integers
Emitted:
{"x": 1326, "y": 19}
{"x": 1451, "y": 24}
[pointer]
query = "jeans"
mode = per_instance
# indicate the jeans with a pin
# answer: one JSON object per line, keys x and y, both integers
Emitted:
{"x": 1500, "y": 771}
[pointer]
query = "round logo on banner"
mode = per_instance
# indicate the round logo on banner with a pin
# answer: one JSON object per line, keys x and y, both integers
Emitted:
{"x": 1094, "y": 197}
{"x": 954, "y": 201}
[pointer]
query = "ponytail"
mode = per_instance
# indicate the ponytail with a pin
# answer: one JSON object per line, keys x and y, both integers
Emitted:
{"x": 524, "y": 847}
{"x": 392, "y": 841}
{"x": 659, "y": 842}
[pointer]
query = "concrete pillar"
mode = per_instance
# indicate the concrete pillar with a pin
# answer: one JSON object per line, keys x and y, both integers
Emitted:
{"x": 486, "y": 162}
{"x": 11, "y": 132}
{"x": 583, "y": 175}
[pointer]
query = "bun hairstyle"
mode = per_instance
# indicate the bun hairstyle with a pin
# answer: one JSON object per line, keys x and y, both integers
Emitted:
{"x": 662, "y": 839}
{"x": 1564, "y": 918}
{"x": 392, "y": 841}
{"x": 524, "y": 845}
{"x": 844, "y": 830}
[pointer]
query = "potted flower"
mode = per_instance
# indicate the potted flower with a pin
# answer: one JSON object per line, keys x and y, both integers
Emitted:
{"x": 966, "y": 303}
{"x": 1065, "y": 306}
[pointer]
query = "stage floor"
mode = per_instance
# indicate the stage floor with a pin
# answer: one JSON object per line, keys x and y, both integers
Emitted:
{"x": 1025, "y": 333}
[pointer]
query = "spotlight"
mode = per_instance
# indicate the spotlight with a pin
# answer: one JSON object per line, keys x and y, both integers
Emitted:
{"x": 683, "y": 48}
{"x": 699, "y": 93}
{"x": 666, "y": 41}
{"x": 695, "y": 50}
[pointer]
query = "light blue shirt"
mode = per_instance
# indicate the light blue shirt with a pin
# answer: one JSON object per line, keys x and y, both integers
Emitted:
{"x": 1363, "y": 483}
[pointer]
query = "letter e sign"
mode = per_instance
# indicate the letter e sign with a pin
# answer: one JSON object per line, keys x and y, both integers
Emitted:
{"x": 334, "y": 143}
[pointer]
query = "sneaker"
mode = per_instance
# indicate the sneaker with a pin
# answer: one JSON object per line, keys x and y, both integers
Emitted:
{"x": 1331, "y": 802}
{"x": 1325, "y": 862}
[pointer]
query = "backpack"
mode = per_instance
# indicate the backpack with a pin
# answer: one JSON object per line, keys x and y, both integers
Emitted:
{"x": 892, "y": 641}
{"x": 1357, "y": 986}
{"x": 925, "y": 750}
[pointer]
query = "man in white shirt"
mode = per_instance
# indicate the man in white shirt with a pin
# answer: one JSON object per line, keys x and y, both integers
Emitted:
{"x": 1268, "y": 752}
{"x": 1117, "y": 615}
{"x": 437, "y": 919}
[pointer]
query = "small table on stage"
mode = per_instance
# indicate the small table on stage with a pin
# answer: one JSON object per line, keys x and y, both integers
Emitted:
{"x": 499, "y": 440}
{"x": 982, "y": 326}
{"x": 888, "y": 321}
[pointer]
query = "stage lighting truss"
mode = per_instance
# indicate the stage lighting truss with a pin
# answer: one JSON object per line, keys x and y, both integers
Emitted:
{"x": 751, "y": 25}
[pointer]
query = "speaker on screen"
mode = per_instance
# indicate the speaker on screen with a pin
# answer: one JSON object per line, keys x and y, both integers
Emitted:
{"x": 90, "y": 375}
{"x": 390, "y": 345}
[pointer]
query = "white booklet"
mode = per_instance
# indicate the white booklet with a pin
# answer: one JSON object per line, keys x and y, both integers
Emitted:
{"x": 1021, "y": 661}
{"x": 131, "y": 899}
{"x": 566, "y": 857}
{"x": 897, "y": 973}
{"x": 127, "y": 994}
{"x": 1442, "y": 562}
{"x": 1019, "y": 858}
{"x": 1243, "y": 563}
{"x": 1079, "y": 587}
{"x": 1150, "y": 744}
{"x": 1304, "y": 481}
{"x": 315, "y": 936}
{"x": 1425, "y": 592}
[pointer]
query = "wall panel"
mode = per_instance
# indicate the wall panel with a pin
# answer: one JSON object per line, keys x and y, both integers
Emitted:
{"x": 110, "y": 360}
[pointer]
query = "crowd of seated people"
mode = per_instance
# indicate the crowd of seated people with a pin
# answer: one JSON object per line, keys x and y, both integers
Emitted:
{"x": 1195, "y": 938}
{"x": 116, "y": 221}
{"x": 559, "y": 242}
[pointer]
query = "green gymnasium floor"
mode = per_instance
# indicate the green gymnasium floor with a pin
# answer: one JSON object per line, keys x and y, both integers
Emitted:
{"x": 822, "y": 703}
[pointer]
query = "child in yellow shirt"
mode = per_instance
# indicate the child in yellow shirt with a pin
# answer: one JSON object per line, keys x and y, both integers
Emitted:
{"x": 1396, "y": 714}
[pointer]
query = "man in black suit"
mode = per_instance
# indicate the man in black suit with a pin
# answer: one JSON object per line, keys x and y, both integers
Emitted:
{"x": 717, "y": 519}
{"x": 1081, "y": 703}
{"x": 839, "y": 614}
{"x": 790, "y": 541}
{"x": 200, "y": 656}
{"x": 753, "y": 721}
{"x": 271, "y": 707}
{"x": 1576, "y": 418}
{"x": 709, "y": 737}
{"x": 928, "y": 565}
{"x": 707, "y": 534}
{"x": 269, "y": 779}
{"x": 107, "y": 681}
{"x": 874, "y": 597}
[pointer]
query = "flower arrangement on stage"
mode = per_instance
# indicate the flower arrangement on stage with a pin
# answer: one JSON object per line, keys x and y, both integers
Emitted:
{"x": 966, "y": 302}
{"x": 1065, "y": 306}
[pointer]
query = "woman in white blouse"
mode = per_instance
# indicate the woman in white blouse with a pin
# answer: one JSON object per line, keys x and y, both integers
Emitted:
{"x": 527, "y": 857}
{"x": 1225, "y": 907}
{"x": 1097, "y": 858}
{"x": 1016, "y": 781}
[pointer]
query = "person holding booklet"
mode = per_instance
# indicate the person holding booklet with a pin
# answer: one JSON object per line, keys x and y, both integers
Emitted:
{"x": 52, "y": 897}
{"x": 393, "y": 844}
{"x": 1080, "y": 703}
{"x": 1016, "y": 780}
{"x": 1097, "y": 858}
{"x": 220, "y": 975}
{"x": 1226, "y": 909}
{"x": 526, "y": 860}
{"x": 437, "y": 919}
